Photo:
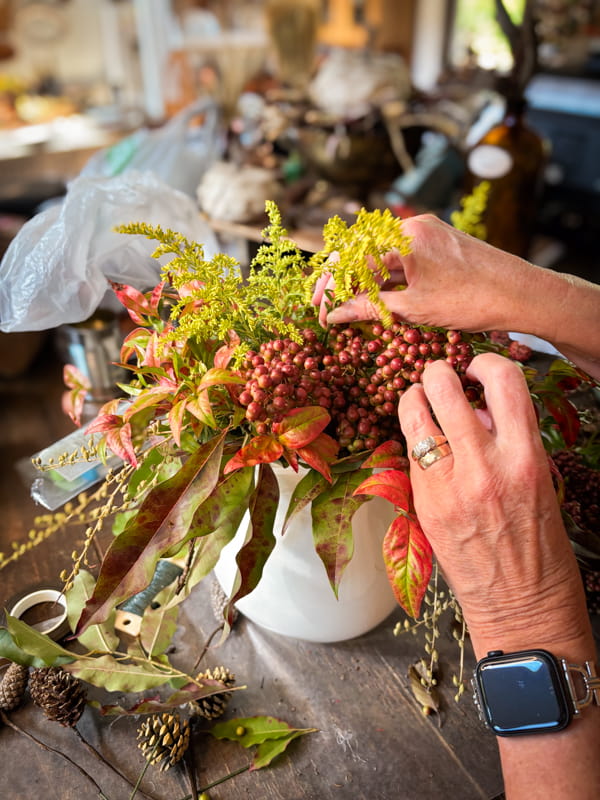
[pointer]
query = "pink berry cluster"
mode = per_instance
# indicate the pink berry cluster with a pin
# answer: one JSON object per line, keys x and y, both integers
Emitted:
{"x": 357, "y": 374}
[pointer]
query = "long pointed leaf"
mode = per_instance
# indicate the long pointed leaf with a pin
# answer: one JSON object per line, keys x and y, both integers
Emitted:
{"x": 162, "y": 521}
{"x": 253, "y": 555}
{"x": 332, "y": 513}
{"x": 408, "y": 561}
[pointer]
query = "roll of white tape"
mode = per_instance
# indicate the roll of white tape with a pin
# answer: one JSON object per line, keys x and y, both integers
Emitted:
{"x": 45, "y": 609}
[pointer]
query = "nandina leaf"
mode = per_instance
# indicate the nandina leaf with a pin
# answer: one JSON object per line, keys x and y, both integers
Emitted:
{"x": 199, "y": 405}
{"x": 262, "y": 449}
{"x": 320, "y": 453}
{"x": 408, "y": 562}
{"x": 152, "y": 396}
{"x": 388, "y": 455}
{"x": 103, "y": 423}
{"x": 393, "y": 485}
{"x": 137, "y": 304}
{"x": 136, "y": 343}
{"x": 175, "y": 418}
{"x": 74, "y": 400}
{"x": 301, "y": 426}
{"x": 215, "y": 523}
{"x": 119, "y": 441}
{"x": 162, "y": 521}
{"x": 306, "y": 490}
{"x": 219, "y": 377}
{"x": 332, "y": 513}
{"x": 566, "y": 416}
{"x": 254, "y": 553}
{"x": 224, "y": 353}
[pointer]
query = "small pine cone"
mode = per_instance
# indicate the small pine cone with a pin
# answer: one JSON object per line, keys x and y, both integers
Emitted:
{"x": 12, "y": 686}
{"x": 60, "y": 695}
{"x": 163, "y": 739}
{"x": 219, "y": 600}
{"x": 214, "y": 705}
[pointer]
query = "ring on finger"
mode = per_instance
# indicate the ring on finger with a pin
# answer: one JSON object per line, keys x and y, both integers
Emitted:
{"x": 431, "y": 456}
{"x": 426, "y": 445}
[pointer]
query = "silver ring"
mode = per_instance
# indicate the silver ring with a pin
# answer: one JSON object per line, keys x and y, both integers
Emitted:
{"x": 427, "y": 444}
{"x": 431, "y": 456}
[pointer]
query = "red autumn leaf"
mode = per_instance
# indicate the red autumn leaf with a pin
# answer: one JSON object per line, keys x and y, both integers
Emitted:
{"x": 320, "y": 453}
{"x": 137, "y": 304}
{"x": 199, "y": 406}
{"x": 566, "y": 416}
{"x": 104, "y": 423}
{"x": 175, "y": 418}
{"x": 393, "y": 485}
{"x": 119, "y": 441}
{"x": 301, "y": 426}
{"x": 74, "y": 400}
{"x": 135, "y": 343}
{"x": 224, "y": 353}
{"x": 389, "y": 455}
{"x": 408, "y": 562}
{"x": 260, "y": 450}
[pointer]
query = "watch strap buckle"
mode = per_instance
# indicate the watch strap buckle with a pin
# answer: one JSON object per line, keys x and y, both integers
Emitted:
{"x": 590, "y": 681}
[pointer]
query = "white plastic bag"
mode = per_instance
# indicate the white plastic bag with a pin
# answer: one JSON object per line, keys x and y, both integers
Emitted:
{"x": 56, "y": 268}
{"x": 179, "y": 152}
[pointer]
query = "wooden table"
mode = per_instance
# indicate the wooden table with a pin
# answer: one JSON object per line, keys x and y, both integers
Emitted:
{"x": 373, "y": 740}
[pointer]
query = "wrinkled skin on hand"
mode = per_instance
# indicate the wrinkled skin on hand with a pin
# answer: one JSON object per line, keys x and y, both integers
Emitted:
{"x": 490, "y": 509}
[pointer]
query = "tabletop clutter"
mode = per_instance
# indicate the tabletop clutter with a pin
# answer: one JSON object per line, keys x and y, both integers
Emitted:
{"x": 359, "y": 138}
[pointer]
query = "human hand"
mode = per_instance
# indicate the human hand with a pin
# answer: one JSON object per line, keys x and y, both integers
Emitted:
{"x": 452, "y": 280}
{"x": 490, "y": 511}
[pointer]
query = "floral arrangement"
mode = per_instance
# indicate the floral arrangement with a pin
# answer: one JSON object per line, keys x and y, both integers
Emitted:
{"x": 230, "y": 376}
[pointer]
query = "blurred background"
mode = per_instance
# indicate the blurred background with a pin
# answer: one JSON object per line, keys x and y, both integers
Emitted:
{"x": 323, "y": 105}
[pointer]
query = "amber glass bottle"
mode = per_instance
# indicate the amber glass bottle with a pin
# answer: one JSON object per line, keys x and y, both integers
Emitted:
{"x": 511, "y": 157}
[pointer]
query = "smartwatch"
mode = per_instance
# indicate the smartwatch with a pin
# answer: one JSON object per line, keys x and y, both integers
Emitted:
{"x": 531, "y": 691}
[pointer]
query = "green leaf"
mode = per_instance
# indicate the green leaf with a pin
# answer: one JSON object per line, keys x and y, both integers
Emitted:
{"x": 96, "y": 637}
{"x": 332, "y": 513}
{"x": 305, "y": 491}
{"x": 215, "y": 524}
{"x": 261, "y": 731}
{"x": 161, "y": 523}
{"x": 408, "y": 562}
{"x": 114, "y": 675}
{"x": 36, "y": 644}
{"x": 11, "y": 650}
{"x": 159, "y": 623}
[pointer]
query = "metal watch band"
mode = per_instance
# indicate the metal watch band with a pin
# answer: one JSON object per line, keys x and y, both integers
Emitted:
{"x": 589, "y": 679}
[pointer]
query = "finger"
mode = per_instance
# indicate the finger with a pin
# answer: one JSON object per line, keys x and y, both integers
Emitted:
{"x": 358, "y": 308}
{"x": 419, "y": 427}
{"x": 507, "y": 397}
{"x": 320, "y": 285}
{"x": 452, "y": 410}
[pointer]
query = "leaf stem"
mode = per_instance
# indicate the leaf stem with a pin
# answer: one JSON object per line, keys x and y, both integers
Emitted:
{"x": 5, "y": 719}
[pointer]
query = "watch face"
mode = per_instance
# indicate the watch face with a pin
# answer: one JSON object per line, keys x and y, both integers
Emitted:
{"x": 522, "y": 693}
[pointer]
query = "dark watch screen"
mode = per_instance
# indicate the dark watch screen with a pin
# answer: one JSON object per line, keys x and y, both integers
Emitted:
{"x": 523, "y": 693}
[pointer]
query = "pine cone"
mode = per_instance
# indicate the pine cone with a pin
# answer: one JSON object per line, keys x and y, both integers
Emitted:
{"x": 164, "y": 738}
{"x": 60, "y": 695}
{"x": 12, "y": 686}
{"x": 219, "y": 600}
{"x": 214, "y": 705}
